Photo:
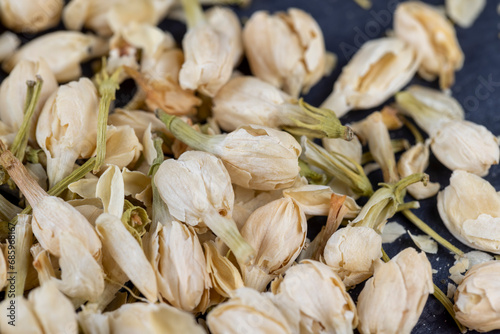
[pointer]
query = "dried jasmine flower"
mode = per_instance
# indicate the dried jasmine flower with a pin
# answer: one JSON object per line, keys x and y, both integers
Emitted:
{"x": 464, "y": 12}
{"x": 30, "y": 16}
{"x": 256, "y": 157}
{"x": 277, "y": 232}
{"x": 247, "y": 100}
{"x": 379, "y": 69}
{"x": 434, "y": 39}
{"x": 392, "y": 301}
{"x": 470, "y": 209}
{"x": 286, "y": 50}
{"x": 62, "y": 50}
{"x": 476, "y": 298}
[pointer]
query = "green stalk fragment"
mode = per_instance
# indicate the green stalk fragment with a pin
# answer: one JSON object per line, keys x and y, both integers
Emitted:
{"x": 317, "y": 122}
{"x": 430, "y": 232}
{"x": 187, "y": 134}
{"x": 339, "y": 166}
{"x": 21, "y": 140}
{"x": 108, "y": 85}
{"x": 194, "y": 13}
{"x": 413, "y": 129}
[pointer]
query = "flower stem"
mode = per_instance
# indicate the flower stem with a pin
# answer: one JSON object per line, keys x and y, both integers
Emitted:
{"x": 108, "y": 85}
{"x": 186, "y": 133}
{"x": 194, "y": 12}
{"x": 21, "y": 140}
{"x": 312, "y": 176}
{"x": 430, "y": 232}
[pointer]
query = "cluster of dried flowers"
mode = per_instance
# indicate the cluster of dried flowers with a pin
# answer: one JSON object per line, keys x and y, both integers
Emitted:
{"x": 171, "y": 225}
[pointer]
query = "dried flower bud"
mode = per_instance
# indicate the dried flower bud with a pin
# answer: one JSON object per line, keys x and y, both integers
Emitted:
{"x": 197, "y": 189}
{"x": 320, "y": 296}
{"x": 433, "y": 37}
{"x": 13, "y": 93}
{"x": 464, "y": 12}
{"x": 248, "y": 311}
{"x": 66, "y": 128}
{"x": 374, "y": 130}
{"x": 106, "y": 17}
{"x": 314, "y": 200}
{"x": 25, "y": 318}
{"x": 277, "y": 232}
{"x": 351, "y": 252}
{"x": 210, "y": 50}
{"x": 128, "y": 254}
{"x": 256, "y": 157}
{"x": 225, "y": 21}
{"x": 53, "y": 310}
{"x": 247, "y": 100}
{"x": 393, "y": 299}
{"x": 62, "y": 50}
{"x": 285, "y": 49}
{"x": 179, "y": 264}
{"x": 153, "y": 319}
{"x": 429, "y": 108}
{"x": 30, "y": 16}
{"x": 470, "y": 209}
{"x": 379, "y": 69}
{"x": 477, "y": 305}
{"x": 466, "y": 146}
{"x": 138, "y": 120}
{"x": 416, "y": 160}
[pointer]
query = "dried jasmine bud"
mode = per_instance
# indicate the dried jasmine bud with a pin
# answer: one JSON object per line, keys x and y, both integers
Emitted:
{"x": 247, "y": 100}
{"x": 463, "y": 145}
{"x": 9, "y": 42}
{"x": 392, "y": 301}
{"x": 30, "y": 16}
{"x": 66, "y": 128}
{"x": 197, "y": 190}
{"x": 256, "y": 157}
{"x": 286, "y": 50}
{"x": 429, "y": 108}
{"x": 320, "y": 297}
{"x": 470, "y": 209}
{"x": 179, "y": 264}
{"x": 210, "y": 51}
{"x": 248, "y": 311}
{"x": 434, "y": 39}
{"x": 277, "y": 232}
{"x": 379, "y": 69}
{"x": 62, "y": 50}
{"x": 476, "y": 298}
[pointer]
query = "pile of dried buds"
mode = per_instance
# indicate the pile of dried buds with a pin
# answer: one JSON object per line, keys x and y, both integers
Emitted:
{"x": 186, "y": 210}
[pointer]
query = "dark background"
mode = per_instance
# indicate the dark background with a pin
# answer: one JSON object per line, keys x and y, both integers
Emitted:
{"x": 346, "y": 26}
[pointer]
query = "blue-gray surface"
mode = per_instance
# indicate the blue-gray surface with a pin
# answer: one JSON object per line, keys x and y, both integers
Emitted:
{"x": 345, "y": 27}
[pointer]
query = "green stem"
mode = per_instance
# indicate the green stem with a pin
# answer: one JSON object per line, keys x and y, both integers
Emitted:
{"x": 312, "y": 176}
{"x": 448, "y": 305}
{"x": 187, "y": 134}
{"x": 413, "y": 129}
{"x": 108, "y": 85}
{"x": 430, "y": 232}
{"x": 21, "y": 140}
{"x": 194, "y": 13}
{"x": 408, "y": 206}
